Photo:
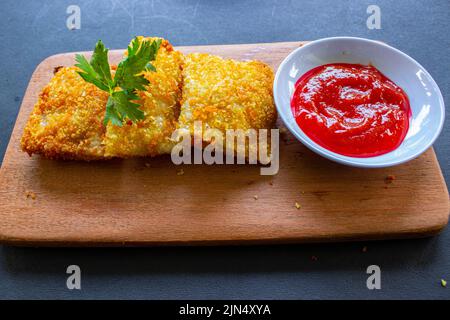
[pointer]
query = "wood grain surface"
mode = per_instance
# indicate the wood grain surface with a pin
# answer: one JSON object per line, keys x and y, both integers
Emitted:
{"x": 144, "y": 202}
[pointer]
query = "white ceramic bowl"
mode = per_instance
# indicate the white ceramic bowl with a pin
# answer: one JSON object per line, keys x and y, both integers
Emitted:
{"x": 427, "y": 104}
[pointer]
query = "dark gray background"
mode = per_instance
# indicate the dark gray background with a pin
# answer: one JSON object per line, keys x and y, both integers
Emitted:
{"x": 32, "y": 30}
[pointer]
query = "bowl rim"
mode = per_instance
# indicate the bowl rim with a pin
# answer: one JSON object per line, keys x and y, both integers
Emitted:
{"x": 347, "y": 160}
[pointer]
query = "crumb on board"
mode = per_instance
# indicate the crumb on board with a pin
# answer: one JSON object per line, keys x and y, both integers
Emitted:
{"x": 255, "y": 197}
{"x": 364, "y": 249}
{"x": 271, "y": 183}
{"x": 389, "y": 179}
{"x": 314, "y": 258}
{"x": 147, "y": 165}
{"x": 56, "y": 69}
{"x": 297, "y": 205}
{"x": 30, "y": 194}
{"x": 180, "y": 172}
{"x": 443, "y": 283}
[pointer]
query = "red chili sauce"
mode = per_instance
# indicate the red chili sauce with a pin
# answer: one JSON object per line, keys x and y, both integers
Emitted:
{"x": 351, "y": 109}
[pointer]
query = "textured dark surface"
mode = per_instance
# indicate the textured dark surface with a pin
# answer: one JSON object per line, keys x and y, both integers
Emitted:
{"x": 33, "y": 30}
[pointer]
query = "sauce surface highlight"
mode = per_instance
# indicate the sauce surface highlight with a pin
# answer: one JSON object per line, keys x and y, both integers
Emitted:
{"x": 351, "y": 109}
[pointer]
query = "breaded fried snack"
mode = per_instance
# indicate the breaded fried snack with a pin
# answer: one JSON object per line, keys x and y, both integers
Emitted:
{"x": 160, "y": 104}
{"x": 226, "y": 94}
{"x": 66, "y": 122}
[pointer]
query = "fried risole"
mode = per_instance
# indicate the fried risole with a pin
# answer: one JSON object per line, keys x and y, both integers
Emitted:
{"x": 224, "y": 94}
{"x": 66, "y": 122}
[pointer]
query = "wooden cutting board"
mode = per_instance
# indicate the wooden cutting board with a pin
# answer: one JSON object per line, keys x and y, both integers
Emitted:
{"x": 145, "y": 202}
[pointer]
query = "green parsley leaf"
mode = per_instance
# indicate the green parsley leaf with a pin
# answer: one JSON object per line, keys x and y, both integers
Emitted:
{"x": 89, "y": 74}
{"x": 120, "y": 106}
{"x": 139, "y": 56}
{"x": 100, "y": 63}
{"x": 127, "y": 80}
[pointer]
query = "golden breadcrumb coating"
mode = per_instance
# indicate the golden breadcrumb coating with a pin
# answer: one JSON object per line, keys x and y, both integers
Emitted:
{"x": 66, "y": 122}
{"x": 160, "y": 103}
{"x": 226, "y": 94}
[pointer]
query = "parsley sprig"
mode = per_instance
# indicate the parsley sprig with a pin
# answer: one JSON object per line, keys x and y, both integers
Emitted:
{"x": 127, "y": 80}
